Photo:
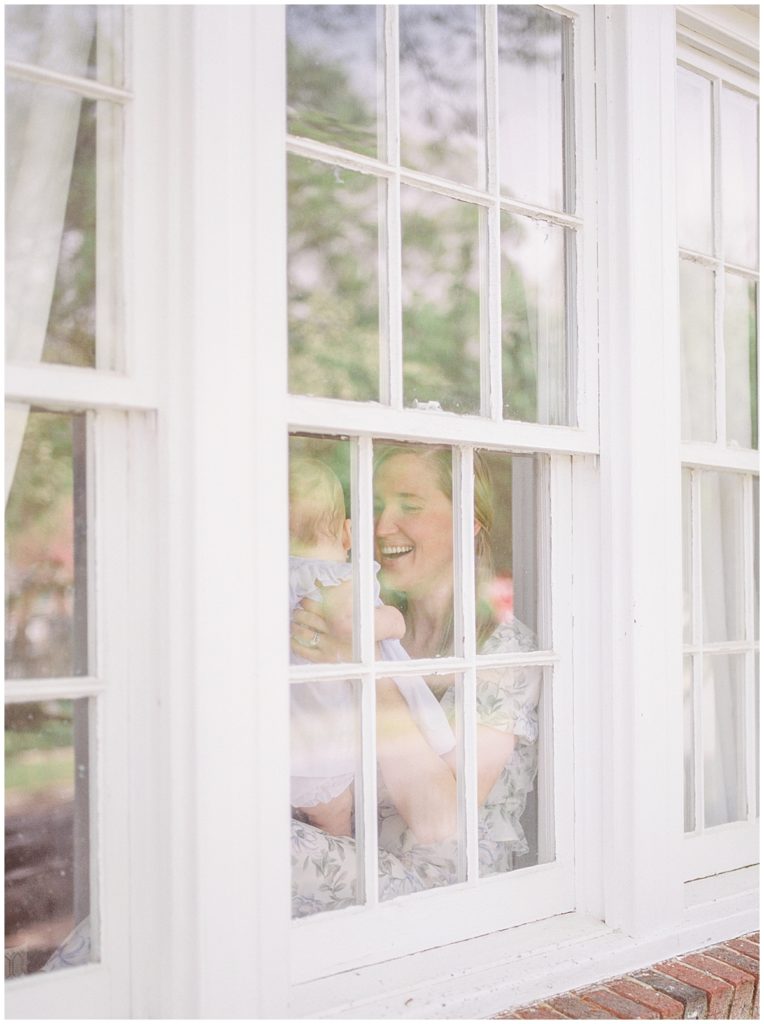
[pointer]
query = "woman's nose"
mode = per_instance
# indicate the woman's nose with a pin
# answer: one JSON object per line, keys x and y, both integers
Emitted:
{"x": 384, "y": 524}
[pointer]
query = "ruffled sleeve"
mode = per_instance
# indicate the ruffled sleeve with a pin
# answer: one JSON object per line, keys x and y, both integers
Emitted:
{"x": 303, "y": 573}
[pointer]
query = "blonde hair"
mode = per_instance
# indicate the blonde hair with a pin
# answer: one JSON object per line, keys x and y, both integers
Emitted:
{"x": 316, "y": 502}
{"x": 441, "y": 459}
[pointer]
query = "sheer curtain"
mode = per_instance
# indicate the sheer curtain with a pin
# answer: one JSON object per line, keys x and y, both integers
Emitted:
{"x": 41, "y": 132}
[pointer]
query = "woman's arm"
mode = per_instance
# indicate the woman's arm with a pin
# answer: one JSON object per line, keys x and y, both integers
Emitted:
{"x": 422, "y": 786}
{"x": 494, "y": 749}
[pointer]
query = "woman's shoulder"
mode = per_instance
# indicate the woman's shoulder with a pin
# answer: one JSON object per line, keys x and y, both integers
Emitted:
{"x": 508, "y": 637}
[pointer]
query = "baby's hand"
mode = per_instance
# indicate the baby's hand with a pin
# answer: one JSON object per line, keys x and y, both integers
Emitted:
{"x": 337, "y": 608}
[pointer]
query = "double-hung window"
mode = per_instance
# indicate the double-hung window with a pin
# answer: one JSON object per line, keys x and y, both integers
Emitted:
{"x": 717, "y": 218}
{"x": 439, "y": 274}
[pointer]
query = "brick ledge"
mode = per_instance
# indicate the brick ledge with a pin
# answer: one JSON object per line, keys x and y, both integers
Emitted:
{"x": 717, "y": 983}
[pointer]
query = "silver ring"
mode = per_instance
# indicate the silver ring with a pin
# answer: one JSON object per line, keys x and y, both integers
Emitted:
{"x": 313, "y": 642}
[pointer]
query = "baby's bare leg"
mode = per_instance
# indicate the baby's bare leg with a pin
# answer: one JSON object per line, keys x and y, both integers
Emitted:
{"x": 334, "y": 816}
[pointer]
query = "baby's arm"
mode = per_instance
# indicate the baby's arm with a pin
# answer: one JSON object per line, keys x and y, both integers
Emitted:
{"x": 388, "y": 623}
{"x": 333, "y": 816}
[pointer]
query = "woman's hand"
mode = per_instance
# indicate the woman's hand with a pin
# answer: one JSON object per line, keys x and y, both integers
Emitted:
{"x": 312, "y": 637}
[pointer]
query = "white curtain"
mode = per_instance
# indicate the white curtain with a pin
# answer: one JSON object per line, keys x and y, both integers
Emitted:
{"x": 41, "y": 133}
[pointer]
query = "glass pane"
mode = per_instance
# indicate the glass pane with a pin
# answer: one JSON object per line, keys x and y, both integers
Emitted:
{"x": 508, "y": 583}
{"x": 696, "y": 307}
{"x": 46, "y": 592}
{"x": 80, "y": 40}
{"x": 514, "y": 831}
{"x": 47, "y": 857}
{"x": 535, "y": 361}
{"x": 413, "y": 523}
{"x": 441, "y": 301}
{"x": 334, "y": 76}
{"x": 687, "y": 555}
{"x": 694, "y": 156}
{"x": 722, "y": 556}
{"x": 440, "y": 86}
{"x": 325, "y": 764}
{"x": 51, "y": 224}
{"x": 740, "y": 176}
{"x": 756, "y": 529}
{"x": 689, "y": 748}
{"x": 418, "y": 815}
{"x": 723, "y": 739}
{"x": 740, "y": 345}
{"x": 531, "y": 104}
{"x": 320, "y": 536}
{"x": 333, "y": 281}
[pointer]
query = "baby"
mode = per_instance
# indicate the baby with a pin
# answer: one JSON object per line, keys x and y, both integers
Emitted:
{"x": 324, "y": 727}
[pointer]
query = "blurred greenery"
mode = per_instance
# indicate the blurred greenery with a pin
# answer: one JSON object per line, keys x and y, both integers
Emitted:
{"x": 336, "y": 219}
{"x": 38, "y": 744}
{"x": 71, "y": 325}
{"x": 43, "y": 479}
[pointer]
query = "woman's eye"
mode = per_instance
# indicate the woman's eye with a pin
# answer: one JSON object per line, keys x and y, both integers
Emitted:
{"x": 411, "y": 508}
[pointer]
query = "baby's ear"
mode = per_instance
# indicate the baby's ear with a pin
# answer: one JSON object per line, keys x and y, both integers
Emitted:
{"x": 347, "y": 535}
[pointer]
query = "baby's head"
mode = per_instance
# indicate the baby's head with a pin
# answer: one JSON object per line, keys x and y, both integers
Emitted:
{"x": 317, "y": 524}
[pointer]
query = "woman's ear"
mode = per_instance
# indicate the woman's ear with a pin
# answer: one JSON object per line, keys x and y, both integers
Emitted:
{"x": 347, "y": 535}
{"x": 477, "y": 527}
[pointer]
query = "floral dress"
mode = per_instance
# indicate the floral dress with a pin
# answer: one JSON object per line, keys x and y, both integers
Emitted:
{"x": 324, "y": 868}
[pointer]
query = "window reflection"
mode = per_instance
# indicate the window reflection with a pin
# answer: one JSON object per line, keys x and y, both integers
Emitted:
{"x": 47, "y": 875}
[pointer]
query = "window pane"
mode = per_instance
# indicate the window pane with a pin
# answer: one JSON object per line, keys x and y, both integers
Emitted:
{"x": 333, "y": 281}
{"x": 696, "y": 307}
{"x": 424, "y": 854}
{"x": 441, "y": 301}
{"x": 723, "y": 739}
{"x": 508, "y": 581}
{"x": 47, "y": 857}
{"x": 80, "y": 40}
{"x": 689, "y": 747}
{"x": 535, "y": 361}
{"x": 514, "y": 831}
{"x": 531, "y": 89}
{"x": 51, "y": 265}
{"x": 687, "y": 539}
{"x": 722, "y": 555}
{"x": 694, "y": 162}
{"x": 413, "y": 524}
{"x": 440, "y": 85}
{"x": 334, "y": 77}
{"x": 319, "y": 546}
{"x": 756, "y": 528}
{"x": 740, "y": 345}
{"x": 46, "y": 593}
{"x": 324, "y": 792}
{"x": 740, "y": 175}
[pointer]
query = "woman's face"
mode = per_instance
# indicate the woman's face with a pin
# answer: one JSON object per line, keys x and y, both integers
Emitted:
{"x": 413, "y": 526}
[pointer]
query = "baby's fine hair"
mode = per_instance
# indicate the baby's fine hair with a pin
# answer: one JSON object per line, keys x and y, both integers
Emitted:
{"x": 316, "y": 502}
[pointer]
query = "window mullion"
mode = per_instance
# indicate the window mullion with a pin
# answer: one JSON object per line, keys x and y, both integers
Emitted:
{"x": 749, "y": 702}
{"x": 490, "y": 359}
{"x": 697, "y": 639}
{"x": 465, "y": 642}
{"x": 391, "y": 338}
{"x": 363, "y": 641}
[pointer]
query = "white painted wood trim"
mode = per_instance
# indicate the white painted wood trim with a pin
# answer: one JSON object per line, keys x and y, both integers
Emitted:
{"x": 72, "y": 387}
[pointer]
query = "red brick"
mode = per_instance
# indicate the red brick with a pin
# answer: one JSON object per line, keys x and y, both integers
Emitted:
{"x": 619, "y": 1006}
{"x": 731, "y": 956}
{"x": 693, "y": 1000}
{"x": 744, "y": 946}
{"x": 718, "y": 992}
{"x": 666, "y": 1007}
{"x": 575, "y": 1008}
{"x": 742, "y": 998}
{"x": 539, "y": 1011}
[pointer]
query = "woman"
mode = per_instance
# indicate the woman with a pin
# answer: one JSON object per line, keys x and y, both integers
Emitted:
{"x": 417, "y": 789}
